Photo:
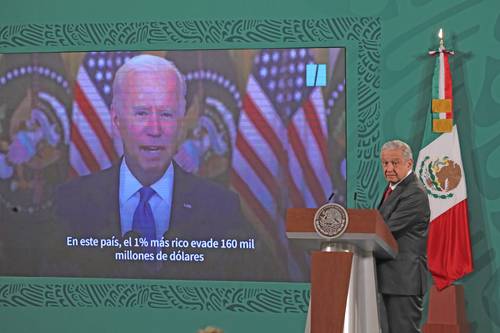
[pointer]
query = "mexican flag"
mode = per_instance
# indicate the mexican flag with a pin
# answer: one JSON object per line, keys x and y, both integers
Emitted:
{"x": 439, "y": 167}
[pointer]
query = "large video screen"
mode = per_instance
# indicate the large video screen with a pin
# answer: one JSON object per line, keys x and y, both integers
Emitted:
{"x": 167, "y": 164}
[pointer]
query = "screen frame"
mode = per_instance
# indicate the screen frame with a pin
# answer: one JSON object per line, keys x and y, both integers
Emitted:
{"x": 360, "y": 36}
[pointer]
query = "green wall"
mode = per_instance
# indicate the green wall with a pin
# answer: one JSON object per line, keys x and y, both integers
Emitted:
{"x": 394, "y": 55}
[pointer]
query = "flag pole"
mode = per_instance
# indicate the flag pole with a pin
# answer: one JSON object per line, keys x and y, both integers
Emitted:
{"x": 441, "y": 38}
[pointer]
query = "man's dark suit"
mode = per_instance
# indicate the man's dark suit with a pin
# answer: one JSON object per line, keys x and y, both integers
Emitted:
{"x": 88, "y": 207}
{"x": 403, "y": 280}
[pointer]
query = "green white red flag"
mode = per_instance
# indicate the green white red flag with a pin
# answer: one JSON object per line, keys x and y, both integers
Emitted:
{"x": 439, "y": 167}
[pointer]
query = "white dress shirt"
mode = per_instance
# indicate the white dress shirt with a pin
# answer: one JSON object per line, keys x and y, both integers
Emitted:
{"x": 160, "y": 202}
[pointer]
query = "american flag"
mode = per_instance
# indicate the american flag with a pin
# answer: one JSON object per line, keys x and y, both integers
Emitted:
{"x": 280, "y": 158}
{"x": 93, "y": 144}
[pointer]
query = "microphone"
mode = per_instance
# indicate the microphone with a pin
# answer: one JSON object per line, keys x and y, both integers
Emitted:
{"x": 356, "y": 199}
{"x": 330, "y": 198}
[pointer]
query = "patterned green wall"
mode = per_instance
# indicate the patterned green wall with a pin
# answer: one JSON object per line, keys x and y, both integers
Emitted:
{"x": 472, "y": 27}
{"x": 388, "y": 84}
{"x": 473, "y": 31}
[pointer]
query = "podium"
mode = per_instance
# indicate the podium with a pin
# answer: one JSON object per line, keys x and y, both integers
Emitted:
{"x": 343, "y": 274}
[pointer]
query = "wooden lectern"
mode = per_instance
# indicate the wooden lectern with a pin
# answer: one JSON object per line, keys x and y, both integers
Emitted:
{"x": 343, "y": 275}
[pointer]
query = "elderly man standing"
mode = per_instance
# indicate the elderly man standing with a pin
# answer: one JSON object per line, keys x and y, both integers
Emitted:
{"x": 405, "y": 209}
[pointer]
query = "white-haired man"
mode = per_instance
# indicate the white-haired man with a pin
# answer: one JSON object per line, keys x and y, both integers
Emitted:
{"x": 405, "y": 209}
{"x": 148, "y": 194}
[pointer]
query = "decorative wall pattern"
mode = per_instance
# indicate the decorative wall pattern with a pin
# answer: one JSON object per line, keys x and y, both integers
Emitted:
{"x": 164, "y": 296}
{"x": 472, "y": 30}
{"x": 88, "y": 36}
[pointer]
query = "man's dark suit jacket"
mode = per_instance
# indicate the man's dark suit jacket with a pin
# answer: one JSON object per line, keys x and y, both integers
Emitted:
{"x": 89, "y": 207}
{"x": 406, "y": 212}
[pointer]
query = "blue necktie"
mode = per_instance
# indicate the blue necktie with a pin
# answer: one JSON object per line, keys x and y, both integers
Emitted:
{"x": 144, "y": 222}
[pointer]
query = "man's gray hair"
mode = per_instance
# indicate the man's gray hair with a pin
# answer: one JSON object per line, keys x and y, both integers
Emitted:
{"x": 150, "y": 63}
{"x": 398, "y": 144}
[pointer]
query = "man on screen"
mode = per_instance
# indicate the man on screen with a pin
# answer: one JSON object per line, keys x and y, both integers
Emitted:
{"x": 147, "y": 194}
{"x": 405, "y": 209}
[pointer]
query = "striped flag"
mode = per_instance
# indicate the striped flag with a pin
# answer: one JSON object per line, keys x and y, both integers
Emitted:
{"x": 442, "y": 95}
{"x": 440, "y": 169}
{"x": 280, "y": 158}
{"x": 213, "y": 104}
{"x": 93, "y": 144}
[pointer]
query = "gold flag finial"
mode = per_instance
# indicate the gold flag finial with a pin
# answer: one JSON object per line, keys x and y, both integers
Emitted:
{"x": 441, "y": 38}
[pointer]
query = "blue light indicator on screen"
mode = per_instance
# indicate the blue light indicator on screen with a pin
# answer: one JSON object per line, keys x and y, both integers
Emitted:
{"x": 316, "y": 75}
